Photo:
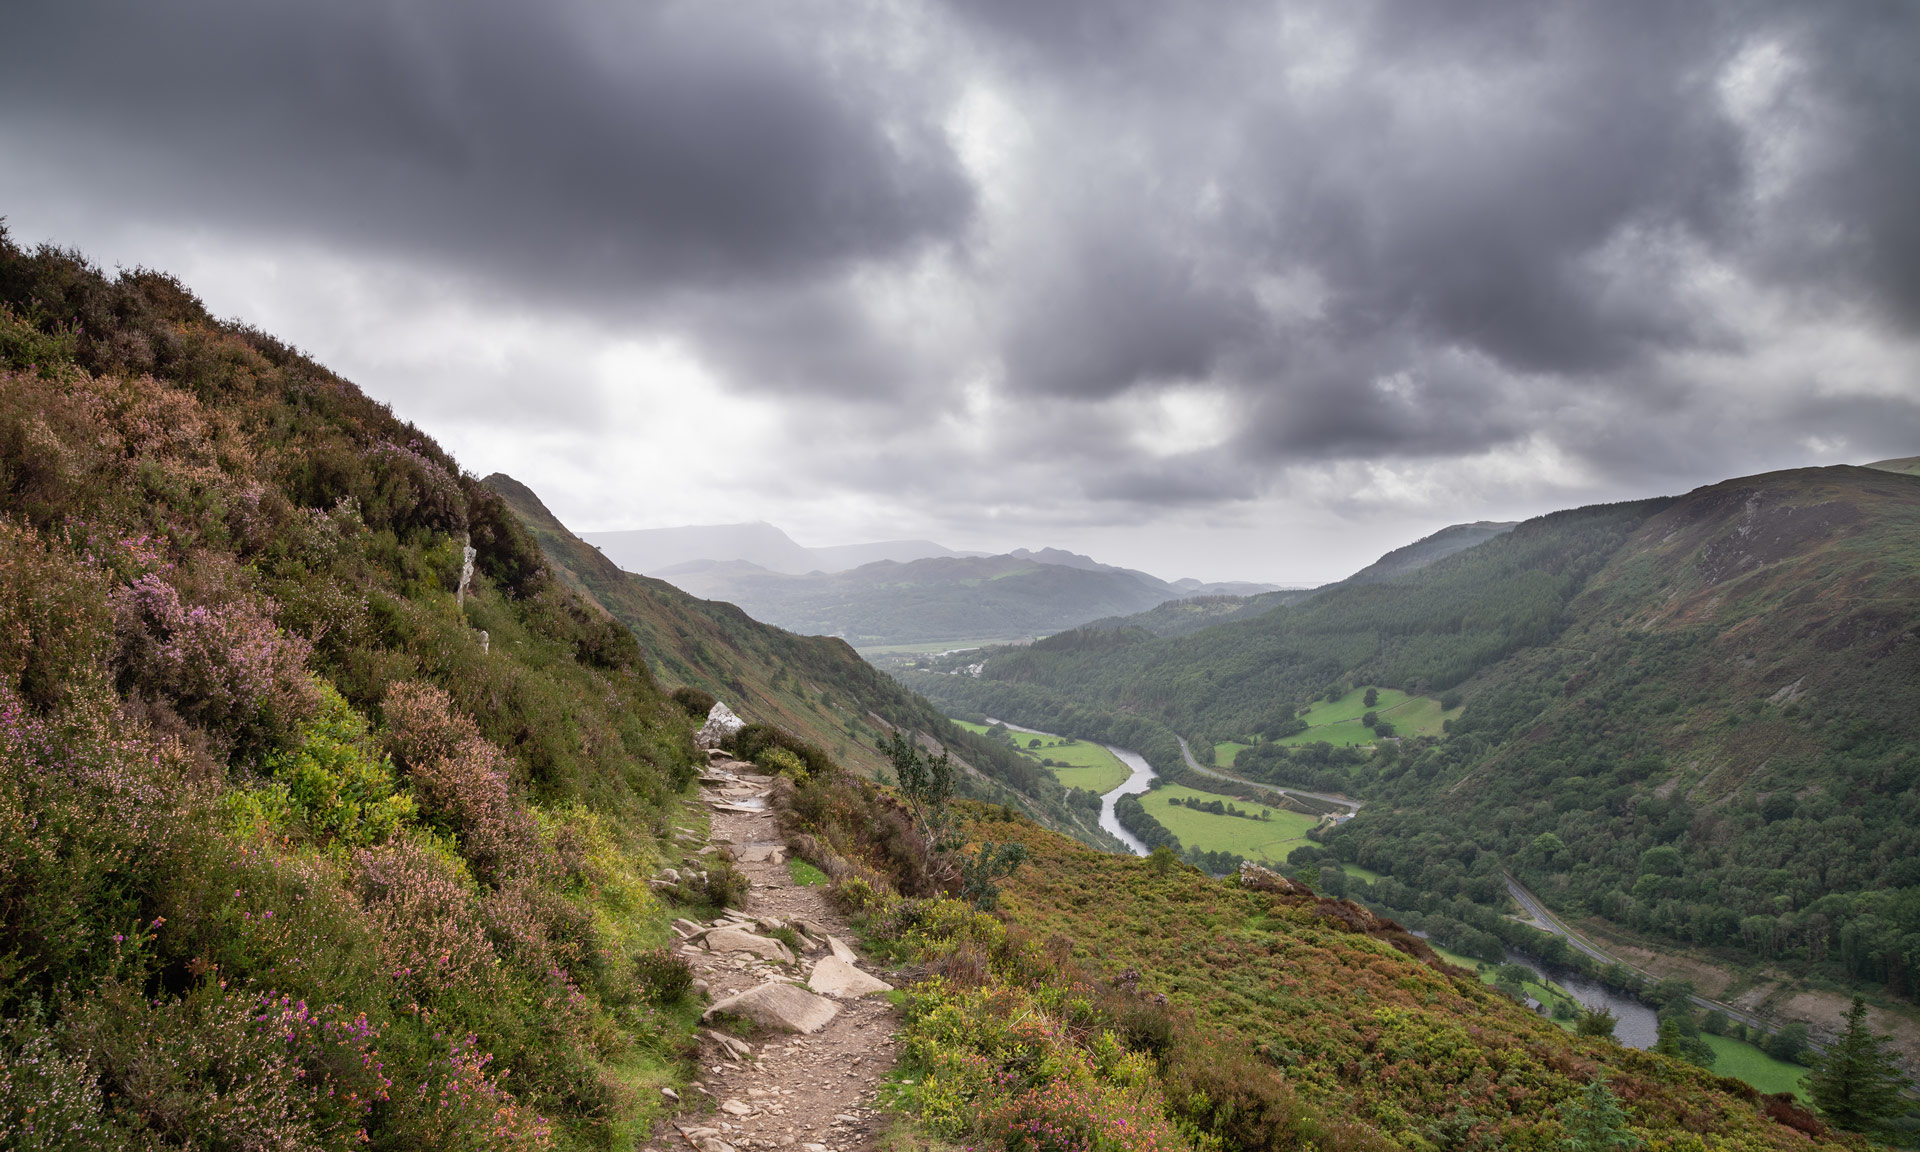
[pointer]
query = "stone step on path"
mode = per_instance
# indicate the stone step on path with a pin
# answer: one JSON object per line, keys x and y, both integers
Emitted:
{"x": 807, "y": 1083}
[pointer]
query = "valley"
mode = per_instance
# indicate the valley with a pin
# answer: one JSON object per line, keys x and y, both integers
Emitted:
{"x": 1643, "y": 711}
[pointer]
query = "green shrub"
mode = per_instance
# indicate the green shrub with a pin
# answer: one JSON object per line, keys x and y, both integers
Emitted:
{"x": 336, "y": 780}
{"x": 693, "y": 702}
{"x": 663, "y": 978}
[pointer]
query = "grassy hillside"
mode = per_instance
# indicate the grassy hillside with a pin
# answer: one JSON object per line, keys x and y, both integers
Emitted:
{"x": 816, "y": 687}
{"x": 1075, "y": 763}
{"x": 1117, "y": 1002}
{"x": 316, "y": 831}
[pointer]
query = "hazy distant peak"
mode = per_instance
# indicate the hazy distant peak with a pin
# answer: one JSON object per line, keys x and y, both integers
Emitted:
{"x": 1065, "y": 559}
{"x": 659, "y": 551}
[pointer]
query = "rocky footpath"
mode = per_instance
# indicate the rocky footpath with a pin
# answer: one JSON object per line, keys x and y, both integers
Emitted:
{"x": 822, "y": 1038}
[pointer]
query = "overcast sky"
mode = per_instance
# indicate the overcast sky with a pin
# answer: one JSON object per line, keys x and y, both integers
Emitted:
{"x": 1220, "y": 289}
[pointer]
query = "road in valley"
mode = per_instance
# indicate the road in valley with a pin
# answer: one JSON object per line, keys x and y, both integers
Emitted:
{"x": 1543, "y": 917}
{"x": 1351, "y": 805}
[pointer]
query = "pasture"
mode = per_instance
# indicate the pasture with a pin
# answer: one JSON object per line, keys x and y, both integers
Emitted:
{"x": 1742, "y": 1061}
{"x": 1225, "y": 751}
{"x": 1076, "y": 763}
{"x": 1338, "y": 722}
{"x": 1268, "y": 840}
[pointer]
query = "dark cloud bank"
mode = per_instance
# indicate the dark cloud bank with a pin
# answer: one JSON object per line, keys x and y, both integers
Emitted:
{"x": 1416, "y": 231}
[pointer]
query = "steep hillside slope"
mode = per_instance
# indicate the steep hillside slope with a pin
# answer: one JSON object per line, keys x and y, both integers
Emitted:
{"x": 1124, "y": 1003}
{"x": 1206, "y": 608}
{"x": 814, "y": 686}
{"x": 1430, "y": 549}
{"x": 325, "y": 809}
{"x": 1724, "y": 742}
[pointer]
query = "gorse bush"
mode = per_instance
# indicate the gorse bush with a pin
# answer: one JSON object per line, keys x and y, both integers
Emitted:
{"x": 288, "y": 857}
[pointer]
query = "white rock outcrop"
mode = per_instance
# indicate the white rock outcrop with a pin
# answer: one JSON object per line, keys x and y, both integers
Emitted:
{"x": 734, "y": 940}
{"x": 721, "y": 723}
{"x": 835, "y": 977}
{"x": 780, "y": 1006}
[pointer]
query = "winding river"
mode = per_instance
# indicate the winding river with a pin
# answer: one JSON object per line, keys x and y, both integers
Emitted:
{"x": 1134, "y": 785}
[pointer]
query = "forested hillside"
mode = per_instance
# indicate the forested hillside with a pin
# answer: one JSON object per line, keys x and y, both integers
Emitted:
{"x": 1696, "y": 718}
{"x": 1723, "y": 746}
{"x": 814, "y": 686}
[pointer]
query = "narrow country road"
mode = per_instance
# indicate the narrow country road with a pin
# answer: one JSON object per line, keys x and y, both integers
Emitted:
{"x": 1351, "y": 805}
{"x": 1533, "y": 907}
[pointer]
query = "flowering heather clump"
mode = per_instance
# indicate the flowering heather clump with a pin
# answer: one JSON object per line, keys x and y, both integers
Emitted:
{"x": 461, "y": 781}
{"x": 414, "y": 491}
{"x": 54, "y": 627}
{"x": 461, "y": 1102}
{"x": 48, "y": 1099}
{"x": 430, "y": 927}
{"x": 224, "y": 667}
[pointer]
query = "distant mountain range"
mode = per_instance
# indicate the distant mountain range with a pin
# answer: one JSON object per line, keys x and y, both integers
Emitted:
{"x": 896, "y": 591}
{"x": 661, "y": 551}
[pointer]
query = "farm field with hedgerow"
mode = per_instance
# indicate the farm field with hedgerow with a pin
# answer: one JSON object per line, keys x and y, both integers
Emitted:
{"x": 1076, "y": 763}
{"x": 1268, "y": 840}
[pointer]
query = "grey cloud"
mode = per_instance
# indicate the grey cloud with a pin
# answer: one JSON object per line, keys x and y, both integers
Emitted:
{"x": 569, "y": 149}
{"x": 1501, "y": 211}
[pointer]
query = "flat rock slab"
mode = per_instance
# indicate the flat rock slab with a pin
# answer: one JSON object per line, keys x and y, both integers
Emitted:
{"x": 835, "y": 977}
{"x": 761, "y": 853}
{"x": 734, "y": 940}
{"x": 841, "y": 951}
{"x": 781, "y": 1006}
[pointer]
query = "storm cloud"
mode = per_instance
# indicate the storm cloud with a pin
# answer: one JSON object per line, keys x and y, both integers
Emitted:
{"x": 1063, "y": 273}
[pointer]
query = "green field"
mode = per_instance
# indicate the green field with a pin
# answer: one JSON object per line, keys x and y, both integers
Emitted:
{"x": 928, "y": 647}
{"x": 1225, "y": 751}
{"x": 1079, "y": 764}
{"x": 1742, "y": 1061}
{"x": 1268, "y": 840}
{"x": 1338, "y": 722}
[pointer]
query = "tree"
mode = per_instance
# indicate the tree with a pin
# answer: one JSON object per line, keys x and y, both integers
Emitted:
{"x": 1371, "y": 698}
{"x": 1370, "y": 719}
{"x": 1595, "y": 1122}
{"x": 925, "y": 780}
{"x": 1545, "y": 846}
{"x": 1162, "y": 859}
{"x": 980, "y": 873}
{"x": 1857, "y": 1085}
{"x": 1680, "y": 1038}
{"x": 1596, "y": 1022}
{"x": 1788, "y": 1043}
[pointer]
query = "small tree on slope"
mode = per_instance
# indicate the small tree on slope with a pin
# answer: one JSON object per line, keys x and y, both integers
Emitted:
{"x": 1857, "y": 1085}
{"x": 1595, "y": 1122}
